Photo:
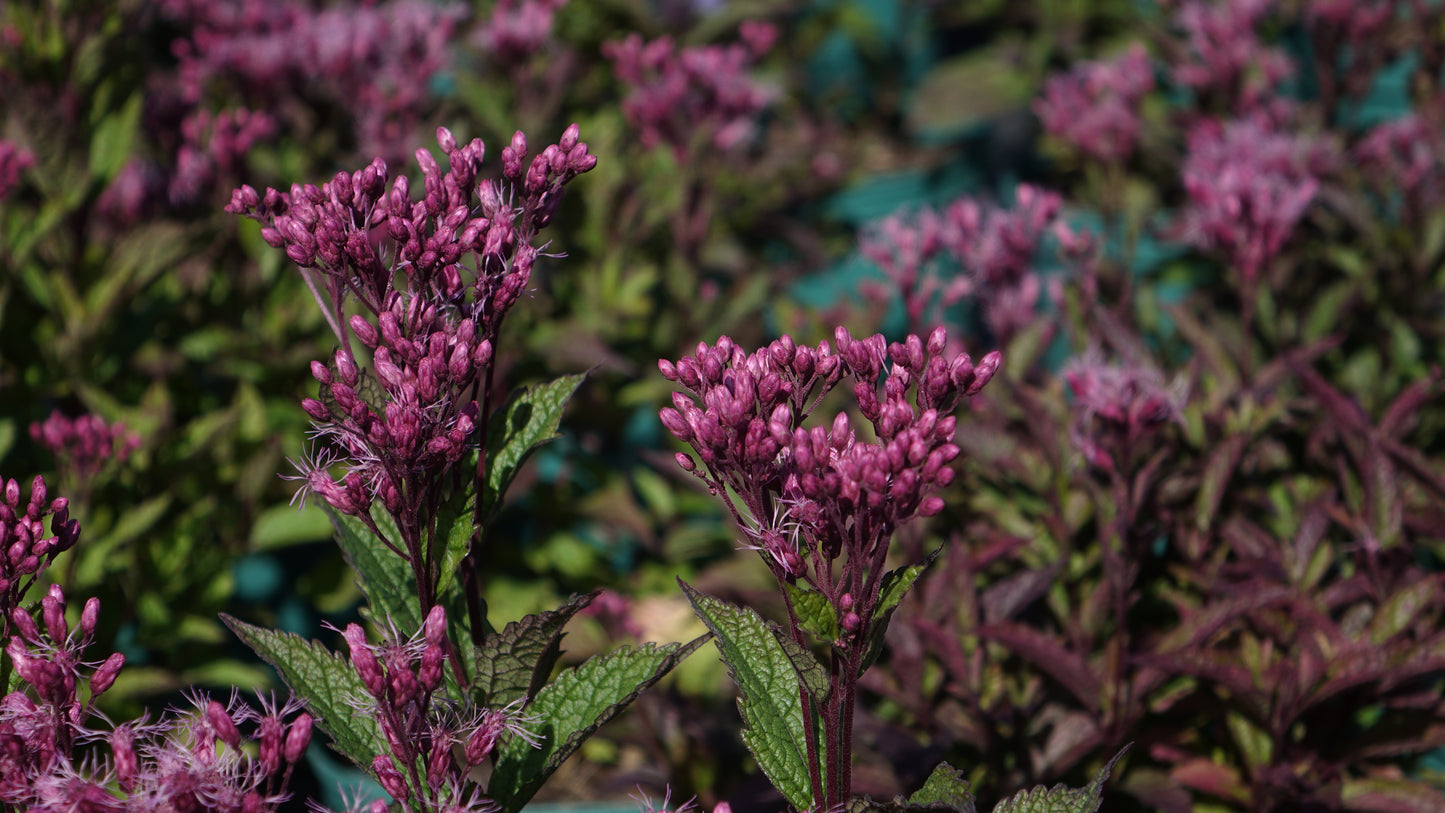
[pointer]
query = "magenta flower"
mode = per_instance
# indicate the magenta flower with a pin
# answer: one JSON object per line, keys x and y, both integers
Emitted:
{"x": 806, "y": 496}
{"x": 1116, "y": 406}
{"x": 1224, "y": 55}
{"x": 434, "y": 278}
{"x": 1404, "y": 157}
{"x": 683, "y": 97}
{"x": 25, "y": 548}
{"x": 517, "y": 29}
{"x": 375, "y": 59}
{"x": 83, "y": 445}
{"x": 996, "y": 248}
{"x": 1248, "y": 187}
{"x": 1095, "y": 106}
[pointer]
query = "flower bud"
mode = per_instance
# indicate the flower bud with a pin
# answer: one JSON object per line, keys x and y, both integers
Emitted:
{"x": 104, "y": 676}
{"x": 298, "y": 737}
{"x": 390, "y": 778}
{"x": 221, "y": 722}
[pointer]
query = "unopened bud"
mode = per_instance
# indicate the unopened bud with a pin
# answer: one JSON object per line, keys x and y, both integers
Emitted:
{"x": 298, "y": 737}
{"x": 106, "y": 674}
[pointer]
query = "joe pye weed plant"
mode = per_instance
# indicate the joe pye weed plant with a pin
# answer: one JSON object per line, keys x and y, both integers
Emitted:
{"x": 414, "y": 449}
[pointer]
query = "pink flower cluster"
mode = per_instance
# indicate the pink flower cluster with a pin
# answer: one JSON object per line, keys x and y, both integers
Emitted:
{"x": 195, "y": 761}
{"x": 402, "y": 677}
{"x": 375, "y": 59}
{"x": 1095, "y": 106}
{"x": 1224, "y": 55}
{"x": 13, "y": 161}
{"x": 434, "y": 277}
{"x": 517, "y": 29}
{"x": 691, "y": 96}
{"x": 994, "y": 248}
{"x": 83, "y": 445}
{"x": 25, "y": 548}
{"x": 810, "y": 495}
{"x": 1249, "y": 184}
{"x": 1406, "y": 157}
{"x": 1116, "y": 406}
{"x": 214, "y": 147}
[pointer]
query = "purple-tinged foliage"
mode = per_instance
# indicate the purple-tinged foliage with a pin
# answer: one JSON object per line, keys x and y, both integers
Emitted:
{"x": 1094, "y": 107}
{"x": 689, "y": 98}
{"x": 213, "y": 147}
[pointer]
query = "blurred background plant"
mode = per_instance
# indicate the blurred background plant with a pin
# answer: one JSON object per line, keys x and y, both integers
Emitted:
{"x": 1201, "y": 509}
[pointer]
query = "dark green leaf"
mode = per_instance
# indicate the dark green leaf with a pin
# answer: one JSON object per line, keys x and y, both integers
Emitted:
{"x": 326, "y": 681}
{"x": 815, "y": 611}
{"x": 521, "y": 425}
{"x": 386, "y": 578}
{"x": 768, "y": 693}
{"x": 571, "y": 708}
{"x": 516, "y": 661}
{"x": 1061, "y": 799}
{"x": 896, "y": 584}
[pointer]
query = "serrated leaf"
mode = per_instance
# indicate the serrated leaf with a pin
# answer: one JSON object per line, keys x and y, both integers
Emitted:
{"x": 324, "y": 680}
{"x": 815, "y": 611}
{"x": 515, "y": 662}
{"x": 386, "y": 578}
{"x": 812, "y": 674}
{"x": 1059, "y": 798}
{"x": 768, "y": 696}
{"x": 528, "y": 420}
{"x": 571, "y": 708}
{"x": 945, "y": 787}
{"x": 895, "y": 586}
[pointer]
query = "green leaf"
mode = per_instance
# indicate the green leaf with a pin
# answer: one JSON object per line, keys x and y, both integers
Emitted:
{"x": 517, "y": 429}
{"x": 945, "y": 791}
{"x": 114, "y": 136}
{"x": 386, "y": 578}
{"x": 455, "y": 529}
{"x": 325, "y": 680}
{"x": 810, "y": 672}
{"x": 571, "y": 708}
{"x": 815, "y": 611}
{"x": 945, "y": 787}
{"x": 896, "y": 584}
{"x": 768, "y": 695}
{"x": 1061, "y": 799}
{"x": 517, "y": 661}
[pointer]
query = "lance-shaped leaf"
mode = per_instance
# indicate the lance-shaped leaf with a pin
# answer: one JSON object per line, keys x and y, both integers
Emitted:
{"x": 571, "y": 708}
{"x": 386, "y": 578}
{"x": 1061, "y": 799}
{"x": 328, "y": 684}
{"x": 528, "y": 420}
{"x": 1050, "y": 656}
{"x": 894, "y": 587}
{"x": 516, "y": 661}
{"x": 1391, "y": 795}
{"x": 454, "y": 528}
{"x": 768, "y": 694}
